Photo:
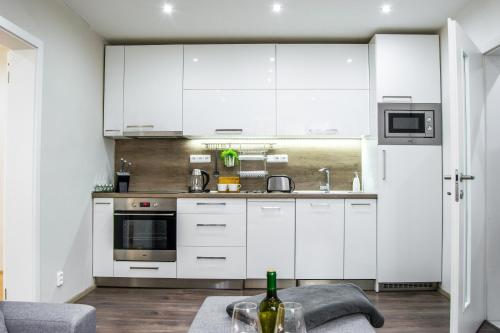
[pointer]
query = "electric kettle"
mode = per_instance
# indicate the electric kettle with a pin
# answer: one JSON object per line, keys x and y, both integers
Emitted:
{"x": 199, "y": 181}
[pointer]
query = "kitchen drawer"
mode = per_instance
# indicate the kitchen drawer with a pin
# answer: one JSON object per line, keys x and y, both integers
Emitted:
{"x": 211, "y": 206}
{"x": 143, "y": 269}
{"x": 211, "y": 229}
{"x": 211, "y": 262}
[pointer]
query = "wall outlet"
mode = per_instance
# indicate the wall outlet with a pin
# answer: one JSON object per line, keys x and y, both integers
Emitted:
{"x": 283, "y": 158}
{"x": 60, "y": 278}
{"x": 200, "y": 159}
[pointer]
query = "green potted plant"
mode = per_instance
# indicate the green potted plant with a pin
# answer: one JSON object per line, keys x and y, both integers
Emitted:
{"x": 229, "y": 157}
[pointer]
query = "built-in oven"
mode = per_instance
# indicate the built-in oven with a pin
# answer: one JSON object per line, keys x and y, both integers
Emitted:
{"x": 145, "y": 229}
{"x": 409, "y": 124}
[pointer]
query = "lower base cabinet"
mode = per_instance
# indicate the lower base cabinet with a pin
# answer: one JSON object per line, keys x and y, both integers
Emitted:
{"x": 143, "y": 269}
{"x": 320, "y": 239}
{"x": 271, "y": 238}
{"x": 211, "y": 263}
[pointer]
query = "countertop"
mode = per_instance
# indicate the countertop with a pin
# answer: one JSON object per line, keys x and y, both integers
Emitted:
{"x": 250, "y": 195}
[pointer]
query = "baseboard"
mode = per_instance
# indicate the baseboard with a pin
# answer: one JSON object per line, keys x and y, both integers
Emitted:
{"x": 444, "y": 292}
{"x": 81, "y": 295}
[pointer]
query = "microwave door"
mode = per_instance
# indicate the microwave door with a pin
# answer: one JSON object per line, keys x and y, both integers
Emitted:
{"x": 405, "y": 124}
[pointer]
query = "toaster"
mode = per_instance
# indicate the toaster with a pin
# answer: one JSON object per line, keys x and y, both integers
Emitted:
{"x": 280, "y": 184}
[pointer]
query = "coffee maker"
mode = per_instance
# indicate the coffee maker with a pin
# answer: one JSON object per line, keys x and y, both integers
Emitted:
{"x": 199, "y": 181}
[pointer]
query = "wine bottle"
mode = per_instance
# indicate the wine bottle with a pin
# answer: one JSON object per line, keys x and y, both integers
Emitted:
{"x": 268, "y": 308}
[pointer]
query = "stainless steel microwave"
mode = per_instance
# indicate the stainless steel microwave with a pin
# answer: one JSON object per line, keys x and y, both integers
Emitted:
{"x": 409, "y": 124}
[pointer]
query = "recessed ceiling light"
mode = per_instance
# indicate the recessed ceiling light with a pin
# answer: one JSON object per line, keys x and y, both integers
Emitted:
{"x": 195, "y": 59}
{"x": 271, "y": 59}
{"x": 277, "y": 8}
{"x": 386, "y": 9}
{"x": 168, "y": 8}
{"x": 349, "y": 60}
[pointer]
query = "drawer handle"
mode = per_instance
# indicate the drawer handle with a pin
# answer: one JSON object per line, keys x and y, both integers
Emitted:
{"x": 211, "y": 258}
{"x": 229, "y": 130}
{"x": 103, "y": 203}
{"x": 361, "y": 204}
{"x": 268, "y": 207}
{"x": 149, "y": 268}
{"x": 139, "y": 214}
{"x": 320, "y": 204}
{"x": 139, "y": 126}
{"x": 210, "y": 203}
{"x": 112, "y": 130}
{"x": 211, "y": 225}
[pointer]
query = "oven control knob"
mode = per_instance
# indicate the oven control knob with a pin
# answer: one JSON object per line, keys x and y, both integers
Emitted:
{"x": 429, "y": 119}
{"x": 134, "y": 204}
{"x": 156, "y": 204}
{"x": 429, "y": 128}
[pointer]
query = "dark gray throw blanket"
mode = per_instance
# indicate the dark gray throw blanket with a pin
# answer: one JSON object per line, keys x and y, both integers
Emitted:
{"x": 325, "y": 302}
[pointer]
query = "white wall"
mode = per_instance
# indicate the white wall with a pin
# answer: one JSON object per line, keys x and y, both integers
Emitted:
{"x": 492, "y": 84}
{"x": 480, "y": 19}
{"x": 74, "y": 155}
{"x": 3, "y": 107}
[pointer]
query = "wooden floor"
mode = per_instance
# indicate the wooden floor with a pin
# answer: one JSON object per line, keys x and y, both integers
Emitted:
{"x": 172, "y": 310}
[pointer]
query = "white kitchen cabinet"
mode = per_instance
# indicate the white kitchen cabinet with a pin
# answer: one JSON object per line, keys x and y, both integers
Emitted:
{"x": 234, "y": 66}
{"x": 211, "y": 262}
{"x": 360, "y": 254}
{"x": 145, "y": 269}
{"x": 271, "y": 238}
{"x": 320, "y": 239}
{"x": 409, "y": 214}
{"x": 211, "y": 238}
{"x": 102, "y": 236}
{"x": 343, "y": 113}
{"x": 113, "y": 91}
{"x": 407, "y": 68}
{"x": 153, "y": 90}
{"x": 229, "y": 112}
{"x": 322, "y": 66}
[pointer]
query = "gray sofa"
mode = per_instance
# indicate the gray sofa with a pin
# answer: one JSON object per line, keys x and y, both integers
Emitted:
{"x": 23, "y": 317}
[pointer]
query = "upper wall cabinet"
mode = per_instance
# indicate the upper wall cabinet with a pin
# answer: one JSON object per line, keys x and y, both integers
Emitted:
{"x": 322, "y": 66}
{"x": 229, "y": 112}
{"x": 342, "y": 113}
{"x": 113, "y": 91}
{"x": 153, "y": 90}
{"x": 243, "y": 66}
{"x": 406, "y": 68}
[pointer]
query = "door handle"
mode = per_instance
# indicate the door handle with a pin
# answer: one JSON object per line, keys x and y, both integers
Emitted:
{"x": 447, "y": 177}
{"x": 466, "y": 177}
{"x": 457, "y": 187}
{"x": 384, "y": 153}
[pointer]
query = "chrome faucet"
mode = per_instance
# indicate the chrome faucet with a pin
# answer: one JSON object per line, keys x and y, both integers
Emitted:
{"x": 325, "y": 187}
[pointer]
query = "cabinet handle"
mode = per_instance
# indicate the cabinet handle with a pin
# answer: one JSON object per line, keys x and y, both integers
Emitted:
{"x": 211, "y": 225}
{"x": 397, "y": 97}
{"x": 210, "y": 203}
{"x": 327, "y": 131}
{"x": 320, "y": 204}
{"x": 361, "y": 204}
{"x": 103, "y": 203}
{"x": 139, "y": 126}
{"x": 139, "y": 214}
{"x": 149, "y": 268}
{"x": 384, "y": 153}
{"x": 228, "y": 130}
{"x": 112, "y": 130}
{"x": 211, "y": 258}
{"x": 276, "y": 208}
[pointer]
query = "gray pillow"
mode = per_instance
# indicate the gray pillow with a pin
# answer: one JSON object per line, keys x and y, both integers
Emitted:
{"x": 3, "y": 328}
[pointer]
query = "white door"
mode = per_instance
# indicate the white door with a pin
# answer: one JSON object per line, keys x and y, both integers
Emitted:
{"x": 467, "y": 156}
{"x": 20, "y": 229}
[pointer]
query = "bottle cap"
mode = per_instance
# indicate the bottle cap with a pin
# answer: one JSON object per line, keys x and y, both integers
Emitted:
{"x": 271, "y": 270}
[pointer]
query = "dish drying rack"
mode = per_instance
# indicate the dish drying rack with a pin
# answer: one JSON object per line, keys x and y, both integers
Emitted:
{"x": 248, "y": 151}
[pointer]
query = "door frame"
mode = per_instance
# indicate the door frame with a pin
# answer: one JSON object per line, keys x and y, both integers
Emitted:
{"x": 34, "y": 191}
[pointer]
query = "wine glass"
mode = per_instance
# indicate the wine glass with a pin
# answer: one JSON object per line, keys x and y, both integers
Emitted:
{"x": 245, "y": 318}
{"x": 290, "y": 318}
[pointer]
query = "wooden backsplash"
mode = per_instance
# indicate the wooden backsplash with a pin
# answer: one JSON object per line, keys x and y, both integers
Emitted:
{"x": 163, "y": 164}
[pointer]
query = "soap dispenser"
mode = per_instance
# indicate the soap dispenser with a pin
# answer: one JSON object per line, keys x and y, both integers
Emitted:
{"x": 356, "y": 185}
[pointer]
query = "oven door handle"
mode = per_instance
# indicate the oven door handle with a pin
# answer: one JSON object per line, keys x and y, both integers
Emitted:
{"x": 137, "y": 214}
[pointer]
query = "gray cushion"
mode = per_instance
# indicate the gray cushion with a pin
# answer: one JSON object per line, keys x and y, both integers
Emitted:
{"x": 3, "y": 329}
{"x": 23, "y": 317}
{"x": 212, "y": 318}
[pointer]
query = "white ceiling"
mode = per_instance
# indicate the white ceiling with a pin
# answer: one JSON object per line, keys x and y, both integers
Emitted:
{"x": 253, "y": 20}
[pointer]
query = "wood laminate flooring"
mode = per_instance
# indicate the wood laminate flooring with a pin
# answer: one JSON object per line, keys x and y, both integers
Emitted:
{"x": 127, "y": 310}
